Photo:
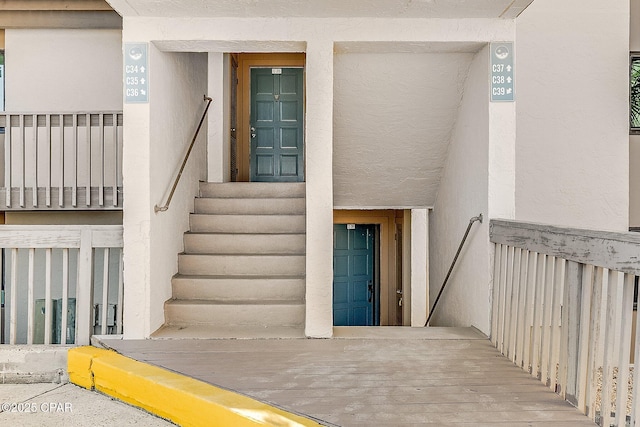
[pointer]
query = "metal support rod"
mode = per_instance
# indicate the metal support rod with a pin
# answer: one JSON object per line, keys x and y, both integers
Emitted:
{"x": 453, "y": 263}
{"x": 163, "y": 208}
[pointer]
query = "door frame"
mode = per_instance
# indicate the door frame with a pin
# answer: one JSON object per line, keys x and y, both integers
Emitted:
{"x": 246, "y": 61}
{"x": 387, "y": 220}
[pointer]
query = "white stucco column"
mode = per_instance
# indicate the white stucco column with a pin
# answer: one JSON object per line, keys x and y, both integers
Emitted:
{"x": 419, "y": 266}
{"x": 136, "y": 219}
{"x": 502, "y": 160}
{"x": 218, "y": 118}
{"x": 319, "y": 188}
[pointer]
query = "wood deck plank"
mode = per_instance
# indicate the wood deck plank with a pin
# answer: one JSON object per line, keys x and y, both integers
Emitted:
{"x": 387, "y": 378}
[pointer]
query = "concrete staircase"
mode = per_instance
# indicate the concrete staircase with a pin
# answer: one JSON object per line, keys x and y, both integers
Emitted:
{"x": 242, "y": 273}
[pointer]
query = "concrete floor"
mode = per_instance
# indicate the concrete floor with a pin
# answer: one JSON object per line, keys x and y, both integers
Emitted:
{"x": 36, "y": 405}
{"x": 371, "y": 376}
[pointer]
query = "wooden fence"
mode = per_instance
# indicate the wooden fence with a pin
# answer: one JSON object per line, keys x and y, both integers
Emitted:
{"x": 61, "y": 160}
{"x": 563, "y": 309}
{"x": 79, "y": 267}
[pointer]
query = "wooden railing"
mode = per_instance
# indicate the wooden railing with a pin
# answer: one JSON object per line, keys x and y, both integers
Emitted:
{"x": 563, "y": 309}
{"x": 50, "y": 271}
{"x": 61, "y": 160}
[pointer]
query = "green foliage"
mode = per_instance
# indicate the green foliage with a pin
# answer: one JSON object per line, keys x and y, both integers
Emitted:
{"x": 634, "y": 93}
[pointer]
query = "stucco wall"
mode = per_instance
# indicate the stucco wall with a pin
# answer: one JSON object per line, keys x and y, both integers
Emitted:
{"x": 177, "y": 83}
{"x": 63, "y": 70}
{"x": 634, "y": 30}
{"x": 572, "y": 155}
{"x": 463, "y": 193}
{"x": 393, "y": 117}
{"x": 634, "y": 181}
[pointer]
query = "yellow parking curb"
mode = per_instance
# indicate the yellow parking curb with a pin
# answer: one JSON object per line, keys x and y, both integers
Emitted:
{"x": 178, "y": 398}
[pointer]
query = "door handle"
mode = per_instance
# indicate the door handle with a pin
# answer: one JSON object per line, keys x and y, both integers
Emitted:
{"x": 370, "y": 291}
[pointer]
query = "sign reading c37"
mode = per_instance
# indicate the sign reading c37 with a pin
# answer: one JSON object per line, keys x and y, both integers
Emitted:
{"x": 502, "y": 72}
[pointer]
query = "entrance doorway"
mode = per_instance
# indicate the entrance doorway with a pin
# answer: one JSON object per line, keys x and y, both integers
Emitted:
{"x": 392, "y": 288}
{"x": 269, "y": 93}
{"x": 356, "y": 293}
{"x": 277, "y": 125}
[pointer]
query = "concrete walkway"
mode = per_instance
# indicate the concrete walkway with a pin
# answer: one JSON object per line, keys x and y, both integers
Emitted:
{"x": 36, "y": 405}
{"x": 371, "y": 376}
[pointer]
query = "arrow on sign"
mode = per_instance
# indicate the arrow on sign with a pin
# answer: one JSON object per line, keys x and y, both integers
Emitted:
{"x": 143, "y": 92}
{"x": 509, "y": 91}
{"x": 509, "y": 80}
{"x": 508, "y": 68}
{"x": 142, "y": 80}
{"x": 142, "y": 69}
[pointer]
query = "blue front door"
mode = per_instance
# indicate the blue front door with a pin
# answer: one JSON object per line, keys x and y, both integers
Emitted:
{"x": 277, "y": 129}
{"x": 354, "y": 292}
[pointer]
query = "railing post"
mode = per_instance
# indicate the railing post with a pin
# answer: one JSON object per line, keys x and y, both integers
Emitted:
{"x": 34, "y": 190}
{"x": 13, "y": 321}
{"x": 495, "y": 297}
{"x": 49, "y": 160}
{"x": 31, "y": 296}
{"x": 625, "y": 349}
{"x": 597, "y": 337}
{"x": 539, "y": 298}
{"x": 582, "y": 383}
{"x": 102, "y": 160}
{"x": 7, "y": 159}
{"x": 84, "y": 291}
{"x": 571, "y": 314}
{"x": 23, "y": 158}
{"x": 61, "y": 171}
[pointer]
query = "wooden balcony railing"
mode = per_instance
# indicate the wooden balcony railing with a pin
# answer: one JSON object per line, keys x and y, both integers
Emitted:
{"x": 563, "y": 309}
{"x": 60, "y": 284}
{"x": 61, "y": 161}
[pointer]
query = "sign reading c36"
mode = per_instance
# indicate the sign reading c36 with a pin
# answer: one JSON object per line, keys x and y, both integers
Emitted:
{"x": 136, "y": 69}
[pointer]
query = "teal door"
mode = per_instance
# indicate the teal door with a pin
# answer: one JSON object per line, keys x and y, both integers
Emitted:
{"x": 277, "y": 112}
{"x": 354, "y": 293}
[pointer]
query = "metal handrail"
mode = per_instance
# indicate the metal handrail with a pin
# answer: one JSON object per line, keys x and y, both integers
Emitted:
{"x": 163, "y": 208}
{"x": 453, "y": 263}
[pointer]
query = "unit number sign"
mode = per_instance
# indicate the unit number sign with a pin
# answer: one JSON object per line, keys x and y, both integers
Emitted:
{"x": 502, "y": 72}
{"x": 136, "y": 72}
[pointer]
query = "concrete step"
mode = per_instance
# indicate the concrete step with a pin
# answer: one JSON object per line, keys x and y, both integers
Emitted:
{"x": 255, "y": 206}
{"x": 252, "y": 265}
{"x": 243, "y": 271}
{"x": 247, "y": 223}
{"x": 252, "y": 189}
{"x": 239, "y": 313}
{"x": 239, "y": 288}
{"x": 213, "y": 243}
{"x": 227, "y": 332}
